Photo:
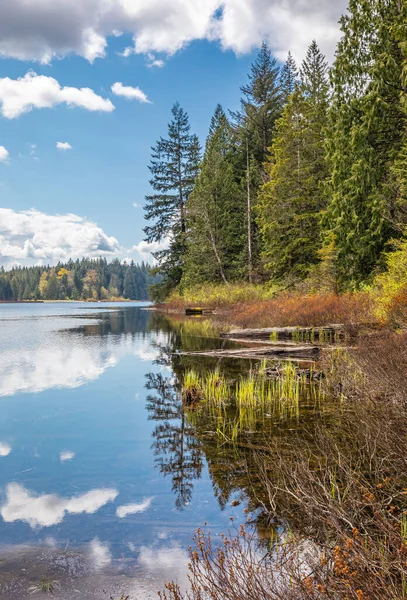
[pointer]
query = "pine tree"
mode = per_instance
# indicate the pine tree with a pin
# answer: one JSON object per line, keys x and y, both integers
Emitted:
{"x": 292, "y": 200}
{"x": 364, "y": 137}
{"x": 174, "y": 167}
{"x": 288, "y": 78}
{"x": 216, "y": 210}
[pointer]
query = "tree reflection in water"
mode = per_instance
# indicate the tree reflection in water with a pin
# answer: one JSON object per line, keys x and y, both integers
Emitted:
{"x": 178, "y": 452}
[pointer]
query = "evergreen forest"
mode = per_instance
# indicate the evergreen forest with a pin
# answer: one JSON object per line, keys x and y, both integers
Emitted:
{"x": 304, "y": 185}
{"x": 86, "y": 279}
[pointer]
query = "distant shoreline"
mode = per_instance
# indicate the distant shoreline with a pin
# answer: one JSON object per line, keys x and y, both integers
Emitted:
{"x": 69, "y": 301}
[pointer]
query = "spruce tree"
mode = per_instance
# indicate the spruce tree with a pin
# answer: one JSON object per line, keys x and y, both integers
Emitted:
{"x": 365, "y": 136}
{"x": 292, "y": 200}
{"x": 174, "y": 167}
{"x": 261, "y": 107}
{"x": 216, "y": 213}
{"x": 261, "y": 104}
{"x": 288, "y": 78}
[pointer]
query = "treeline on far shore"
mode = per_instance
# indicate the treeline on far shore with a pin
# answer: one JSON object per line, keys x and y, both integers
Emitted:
{"x": 83, "y": 279}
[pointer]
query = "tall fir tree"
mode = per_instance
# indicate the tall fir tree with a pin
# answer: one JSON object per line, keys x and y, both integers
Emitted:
{"x": 261, "y": 106}
{"x": 216, "y": 213}
{"x": 292, "y": 200}
{"x": 365, "y": 136}
{"x": 174, "y": 167}
{"x": 288, "y": 79}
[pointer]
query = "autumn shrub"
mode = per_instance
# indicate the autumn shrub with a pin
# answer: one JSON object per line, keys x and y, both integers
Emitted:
{"x": 313, "y": 310}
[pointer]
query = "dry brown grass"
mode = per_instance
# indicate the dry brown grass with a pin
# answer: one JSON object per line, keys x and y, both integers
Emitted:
{"x": 314, "y": 310}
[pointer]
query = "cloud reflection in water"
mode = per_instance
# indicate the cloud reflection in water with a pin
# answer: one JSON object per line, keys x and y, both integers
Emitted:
{"x": 49, "y": 509}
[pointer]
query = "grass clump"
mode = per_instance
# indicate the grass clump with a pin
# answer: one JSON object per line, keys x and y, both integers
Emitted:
{"x": 220, "y": 295}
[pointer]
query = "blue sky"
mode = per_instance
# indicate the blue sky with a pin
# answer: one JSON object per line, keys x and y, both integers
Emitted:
{"x": 105, "y": 172}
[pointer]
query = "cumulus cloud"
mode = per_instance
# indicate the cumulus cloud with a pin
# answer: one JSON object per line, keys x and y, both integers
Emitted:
{"x": 18, "y": 96}
{"x": 132, "y": 509}
{"x": 42, "y": 29}
{"x": 132, "y": 93}
{"x": 4, "y": 154}
{"x": 5, "y": 449}
{"x": 31, "y": 234}
{"x": 64, "y": 146}
{"x": 46, "y": 510}
{"x": 146, "y": 249}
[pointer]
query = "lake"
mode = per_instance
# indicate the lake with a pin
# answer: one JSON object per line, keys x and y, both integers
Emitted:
{"x": 102, "y": 480}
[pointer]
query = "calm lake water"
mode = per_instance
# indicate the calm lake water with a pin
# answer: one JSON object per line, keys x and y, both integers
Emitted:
{"x": 102, "y": 479}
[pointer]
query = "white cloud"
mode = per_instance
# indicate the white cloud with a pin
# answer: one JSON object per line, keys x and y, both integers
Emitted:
{"x": 49, "y": 509}
{"x": 18, "y": 96}
{"x": 68, "y": 455}
{"x": 31, "y": 234}
{"x": 132, "y": 509}
{"x": 145, "y": 249}
{"x": 5, "y": 449}
{"x": 154, "y": 62}
{"x": 64, "y": 146}
{"x": 132, "y": 93}
{"x": 4, "y": 154}
{"x": 43, "y": 29}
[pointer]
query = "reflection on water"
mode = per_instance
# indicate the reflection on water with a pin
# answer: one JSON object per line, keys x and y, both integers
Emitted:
{"x": 103, "y": 476}
{"x": 177, "y": 450}
{"x": 49, "y": 509}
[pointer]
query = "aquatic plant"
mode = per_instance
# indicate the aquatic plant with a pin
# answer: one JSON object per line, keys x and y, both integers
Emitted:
{"x": 192, "y": 392}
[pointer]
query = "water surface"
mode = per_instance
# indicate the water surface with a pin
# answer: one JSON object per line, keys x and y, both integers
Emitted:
{"x": 102, "y": 478}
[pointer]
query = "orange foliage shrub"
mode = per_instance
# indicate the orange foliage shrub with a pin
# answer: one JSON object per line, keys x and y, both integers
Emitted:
{"x": 314, "y": 310}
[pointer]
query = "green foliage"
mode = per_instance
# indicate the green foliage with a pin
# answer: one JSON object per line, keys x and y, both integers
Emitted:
{"x": 174, "y": 167}
{"x": 365, "y": 136}
{"x": 216, "y": 213}
{"x": 292, "y": 200}
{"x": 288, "y": 78}
{"x": 390, "y": 287}
{"x": 78, "y": 280}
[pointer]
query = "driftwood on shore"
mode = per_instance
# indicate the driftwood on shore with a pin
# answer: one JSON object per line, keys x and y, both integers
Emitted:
{"x": 286, "y": 333}
{"x": 285, "y": 352}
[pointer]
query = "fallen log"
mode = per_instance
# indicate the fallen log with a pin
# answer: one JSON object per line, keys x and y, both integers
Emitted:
{"x": 325, "y": 333}
{"x": 285, "y": 352}
{"x": 190, "y": 311}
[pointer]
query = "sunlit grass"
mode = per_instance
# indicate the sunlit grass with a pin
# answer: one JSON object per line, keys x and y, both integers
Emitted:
{"x": 240, "y": 405}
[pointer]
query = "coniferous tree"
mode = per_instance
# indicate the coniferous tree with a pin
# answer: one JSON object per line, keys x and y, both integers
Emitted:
{"x": 288, "y": 78}
{"x": 365, "y": 136}
{"x": 216, "y": 212}
{"x": 292, "y": 200}
{"x": 261, "y": 107}
{"x": 261, "y": 104}
{"x": 174, "y": 167}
